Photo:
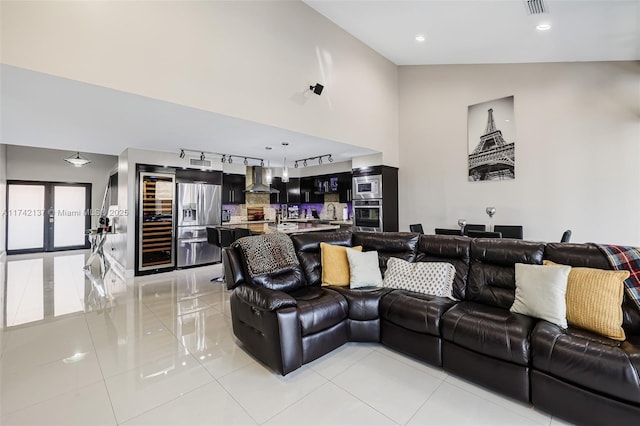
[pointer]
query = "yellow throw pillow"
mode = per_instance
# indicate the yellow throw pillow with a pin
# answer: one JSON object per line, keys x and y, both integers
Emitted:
{"x": 594, "y": 300}
{"x": 335, "y": 265}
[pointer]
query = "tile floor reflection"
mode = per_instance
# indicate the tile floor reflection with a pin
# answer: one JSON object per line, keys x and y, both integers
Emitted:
{"x": 160, "y": 350}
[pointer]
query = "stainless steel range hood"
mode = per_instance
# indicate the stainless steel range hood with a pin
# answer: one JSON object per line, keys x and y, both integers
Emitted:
{"x": 257, "y": 186}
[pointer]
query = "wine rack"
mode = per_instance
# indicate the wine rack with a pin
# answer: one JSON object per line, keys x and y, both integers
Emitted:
{"x": 156, "y": 207}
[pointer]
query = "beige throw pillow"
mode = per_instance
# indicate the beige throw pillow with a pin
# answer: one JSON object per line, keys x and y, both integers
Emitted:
{"x": 540, "y": 292}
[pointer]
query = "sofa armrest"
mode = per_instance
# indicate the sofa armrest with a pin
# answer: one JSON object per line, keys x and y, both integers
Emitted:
{"x": 264, "y": 298}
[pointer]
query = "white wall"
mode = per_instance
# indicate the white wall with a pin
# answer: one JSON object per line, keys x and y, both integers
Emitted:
{"x": 249, "y": 59}
{"x": 38, "y": 164}
{"x": 577, "y": 149}
{"x": 3, "y": 200}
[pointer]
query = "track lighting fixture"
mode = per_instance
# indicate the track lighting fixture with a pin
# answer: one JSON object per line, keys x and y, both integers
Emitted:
{"x": 318, "y": 157}
{"x": 224, "y": 158}
{"x": 317, "y": 89}
{"x": 295, "y": 165}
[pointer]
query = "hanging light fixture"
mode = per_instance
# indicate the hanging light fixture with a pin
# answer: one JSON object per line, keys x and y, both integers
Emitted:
{"x": 285, "y": 169}
{"x": 268, "y": 174}
{"x": 77, "y": 160}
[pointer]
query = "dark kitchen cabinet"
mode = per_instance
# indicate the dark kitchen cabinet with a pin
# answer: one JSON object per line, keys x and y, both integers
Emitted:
{"x": 345, "y": 191}
{"x": 280, "y": 197}
{"x": 293, "y": 191}
{"x": 289, "y": 192}
{"x": 233, "y": 186}
{"x": 308, "y": 191}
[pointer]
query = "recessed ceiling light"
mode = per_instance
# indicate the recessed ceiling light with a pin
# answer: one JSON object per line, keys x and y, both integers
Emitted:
{"x": 543, "y": 27}
{"x": 420, "y": 38}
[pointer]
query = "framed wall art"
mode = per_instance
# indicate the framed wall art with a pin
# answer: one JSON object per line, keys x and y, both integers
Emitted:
{"x": 491, "y": 140}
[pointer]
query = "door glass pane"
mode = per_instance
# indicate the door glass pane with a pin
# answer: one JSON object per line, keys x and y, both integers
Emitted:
{"x": 69, "y": 224}
{"x": 68, "y": 284}
{"x": 25, "y": 210}
{"x": 25, "y": 291}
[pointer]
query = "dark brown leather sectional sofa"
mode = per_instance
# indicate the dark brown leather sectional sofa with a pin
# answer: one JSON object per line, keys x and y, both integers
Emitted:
{"x": 287, "y": 320}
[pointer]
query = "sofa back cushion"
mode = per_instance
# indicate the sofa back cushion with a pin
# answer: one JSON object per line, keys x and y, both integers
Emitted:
{"x": 307, "y": 247}
{"x": 403, "y": 245}
{"x": 492, "y": 268}
{"x": 450, "y": 249}
{"x": 589, "y": 256}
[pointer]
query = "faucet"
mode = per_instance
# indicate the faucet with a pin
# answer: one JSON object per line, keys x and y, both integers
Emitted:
{"x": 333, "y": 209}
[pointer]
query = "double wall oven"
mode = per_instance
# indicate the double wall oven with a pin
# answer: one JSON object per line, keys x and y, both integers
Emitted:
{"x": 367, "y": 203}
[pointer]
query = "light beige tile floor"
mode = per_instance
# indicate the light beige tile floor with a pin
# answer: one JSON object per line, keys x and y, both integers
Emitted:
{"x": 159, "y": 350}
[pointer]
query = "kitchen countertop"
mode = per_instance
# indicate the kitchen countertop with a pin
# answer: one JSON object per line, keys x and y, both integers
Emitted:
{"x": 266, "y": 228}
{"x": 247, "y": 222}
{"x": 332, "y": 222}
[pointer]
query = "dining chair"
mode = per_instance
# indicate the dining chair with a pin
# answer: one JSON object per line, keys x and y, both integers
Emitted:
{"x": 417, "y": 227}
{"x": 509, "y": 231}
{"x": 566, "y": 236}
{"x": 484, "y": 234}
{"x": 241, "y": 232}
{"x": 472, "y": 227}
{"x": 444, "y": 231}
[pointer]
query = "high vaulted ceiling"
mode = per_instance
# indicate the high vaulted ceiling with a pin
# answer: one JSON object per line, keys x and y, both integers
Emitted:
{"x": 490, "y": 31}
{"x": 456, "y": 32}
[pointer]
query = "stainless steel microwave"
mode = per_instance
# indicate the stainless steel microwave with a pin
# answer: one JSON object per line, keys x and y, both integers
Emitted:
{"x": 367, "y": 187}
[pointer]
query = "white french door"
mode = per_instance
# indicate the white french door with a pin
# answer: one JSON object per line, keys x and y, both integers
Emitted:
{"x": 47, "y": 216}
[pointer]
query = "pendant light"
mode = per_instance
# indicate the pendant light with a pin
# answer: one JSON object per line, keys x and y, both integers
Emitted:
{"x": 268, "y": 175}
{"x": 77, "y": 160}
{"x": 285, "y": 169}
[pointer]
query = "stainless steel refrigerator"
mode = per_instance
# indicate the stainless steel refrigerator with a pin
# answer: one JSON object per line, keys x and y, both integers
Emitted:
{"x": 199, "y": 206}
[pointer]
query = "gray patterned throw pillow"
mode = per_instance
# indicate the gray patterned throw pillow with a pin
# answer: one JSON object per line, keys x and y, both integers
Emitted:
{"x": 268, "y": 253}
{"x": 434, "y": 278}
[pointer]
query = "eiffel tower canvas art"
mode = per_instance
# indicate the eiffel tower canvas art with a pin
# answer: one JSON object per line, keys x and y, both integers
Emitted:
{"x": 491, "y": 145}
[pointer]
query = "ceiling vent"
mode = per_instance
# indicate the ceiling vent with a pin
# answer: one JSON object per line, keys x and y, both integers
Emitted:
{"x": 535, "y": 7}
{"x": 201, "y": 163}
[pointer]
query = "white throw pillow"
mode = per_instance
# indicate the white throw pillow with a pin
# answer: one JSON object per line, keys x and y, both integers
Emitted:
{"x": 541, "y": 291}
{"x": 364, "y": 268}
{"x": 434, "y": 278}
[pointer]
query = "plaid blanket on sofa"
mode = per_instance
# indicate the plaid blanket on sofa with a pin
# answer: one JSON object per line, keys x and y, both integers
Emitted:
{"x": 626, "y": 258}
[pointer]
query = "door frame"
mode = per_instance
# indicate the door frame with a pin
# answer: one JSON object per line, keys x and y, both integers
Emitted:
{"x": 48, "y": 227}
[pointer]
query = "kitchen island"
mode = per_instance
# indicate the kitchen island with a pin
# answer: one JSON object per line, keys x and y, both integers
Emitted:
{"x": 287, "y": 228}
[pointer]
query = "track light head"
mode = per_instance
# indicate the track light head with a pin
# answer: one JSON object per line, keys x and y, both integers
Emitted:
{"x": 295, "y": 164}
{"x": 319, "y": 160}
{"x": 202, "y": 156}
{"x": 223, "y": 159}
{"x": 317, "y": 89}
{"x": 330, "y": 159}
{"x": 182, "y": 153}
{"x": 230, "y": 160}
{"x": 304, "y": 163}
{"x": 245, "y": 161}
{"x": 261, "y": 163}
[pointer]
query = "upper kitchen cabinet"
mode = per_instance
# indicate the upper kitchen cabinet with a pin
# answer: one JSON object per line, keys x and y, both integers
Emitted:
{"x": 281, "y": 196}
{"x": 233, "y": 186}
{"x": 289, "y": 192}
{"x": 309, "y": 192}
{"x": 345, "y": 191}
{"x": 293, "y": 191}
